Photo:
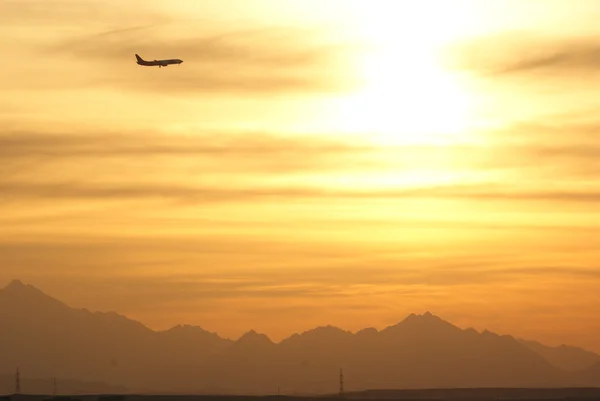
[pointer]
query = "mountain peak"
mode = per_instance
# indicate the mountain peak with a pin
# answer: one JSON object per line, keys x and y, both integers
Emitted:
{"x": 252, "y": 337}
{"x": 368, "y": 331}
{"x": 427, "y": 321}
{"x": 29, "y": 295}
{"x": 425, "y": 317}
{"x": 16, "y": 285}
{"x": 326, "y": 329}
{"x": 190, "y": 330}
{"x": 186, "y": 328}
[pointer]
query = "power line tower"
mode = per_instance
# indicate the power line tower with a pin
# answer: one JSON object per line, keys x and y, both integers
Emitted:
{"x": 341, "y": 383}
{"x": 18, "y": 382}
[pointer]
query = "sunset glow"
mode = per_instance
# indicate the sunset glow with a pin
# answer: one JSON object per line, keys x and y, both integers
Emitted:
{"x": 404, "y": 82}
{"x": 311, "y": 162}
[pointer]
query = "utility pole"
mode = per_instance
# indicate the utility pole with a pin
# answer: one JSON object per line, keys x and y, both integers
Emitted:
{"x": 341, "y": 383}
{"x": 54, "y": 391}
{"x": 18, "y": 382}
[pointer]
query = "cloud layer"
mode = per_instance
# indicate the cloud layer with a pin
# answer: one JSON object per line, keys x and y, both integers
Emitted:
{"x": 95, "y": 50}
{"x": 151, "y": 165}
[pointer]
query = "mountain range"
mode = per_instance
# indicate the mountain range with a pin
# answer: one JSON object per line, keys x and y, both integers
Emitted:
{"x": 111, "y": 351}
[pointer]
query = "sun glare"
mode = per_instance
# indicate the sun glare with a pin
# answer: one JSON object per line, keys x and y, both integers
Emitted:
{"x": 406, "y": 96}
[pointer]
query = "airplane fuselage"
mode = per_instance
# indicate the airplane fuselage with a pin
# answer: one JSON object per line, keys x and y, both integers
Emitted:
{"x": 159, "y": 63}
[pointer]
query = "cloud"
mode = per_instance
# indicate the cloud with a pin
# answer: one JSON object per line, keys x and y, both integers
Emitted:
{"x": 580, "y": 161}
{"x": 320, "y": 278}
{"x": 558, "y": 147}
{"x": 20, "y": 144}
{"x": 573, "y": 57}
{"x": 31, "y": 154}
{"x": 257, "y": 46}
{"x": 551, "y": 141}
{"x": 513, "y": 53}
{"x": 226, "y": 194}
{"x": 235, "y": 57}
{"x": 185, "y": 168}
{"x": 255, "y": 59}
{"x": 516, "y": 145}
{"x": 154, "y": 166}
{"x": 44, "y": 13}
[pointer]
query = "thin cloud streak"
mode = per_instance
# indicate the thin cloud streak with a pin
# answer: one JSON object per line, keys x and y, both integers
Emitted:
{"x": 517, "y": 53}
{"x": 573, "y": 57}
{"x": 218, "y": 58}
{"x": 264, "y": 155}
{"x": 535, "y": 154}
{"x": 262, "y": 47}
{"x": 76, "y": 12}
{"x": 342, "y": 281}
{"x": 465, "y": 224}
{"x": 200, "y": 195}
{"x": 25, "y": 153}
{"x": 21, "y": 144}
{"x": 261, "y": 60}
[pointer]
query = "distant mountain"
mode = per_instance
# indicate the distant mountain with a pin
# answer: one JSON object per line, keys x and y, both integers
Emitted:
{"x": 46, "y": 338}
{"x": 564, "y": 356}
{"x": 587, "y": 376}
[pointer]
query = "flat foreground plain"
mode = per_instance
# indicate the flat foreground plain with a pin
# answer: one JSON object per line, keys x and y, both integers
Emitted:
{"x": 482, "y": 394}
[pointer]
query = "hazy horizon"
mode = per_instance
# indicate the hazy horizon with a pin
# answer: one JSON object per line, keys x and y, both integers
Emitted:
{"x": 344, "y": 162}
{"x": 110, "y": 352}
{"x": 17, "y": 283}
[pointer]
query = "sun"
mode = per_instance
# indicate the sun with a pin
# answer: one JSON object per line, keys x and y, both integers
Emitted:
{"x": 406, "y": 96}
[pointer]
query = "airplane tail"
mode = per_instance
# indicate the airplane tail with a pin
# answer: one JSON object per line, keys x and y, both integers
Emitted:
{"x": 139, "y": 59}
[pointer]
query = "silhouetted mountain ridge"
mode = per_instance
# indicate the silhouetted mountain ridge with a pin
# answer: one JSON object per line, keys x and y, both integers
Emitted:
{"x": 193, "y": 333}
{"x": 421, "y": 351}
{"x": 17, "y": 291}
{"x": 565, "y": 356}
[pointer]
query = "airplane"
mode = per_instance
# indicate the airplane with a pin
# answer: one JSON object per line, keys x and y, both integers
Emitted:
{"x": 159, "y": 63}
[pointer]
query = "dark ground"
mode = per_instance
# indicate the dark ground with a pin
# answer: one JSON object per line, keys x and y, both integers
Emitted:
{"x": 487, "y": 394}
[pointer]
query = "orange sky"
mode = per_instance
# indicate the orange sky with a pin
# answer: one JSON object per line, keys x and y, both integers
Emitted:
{"x": 310, "y": 162}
